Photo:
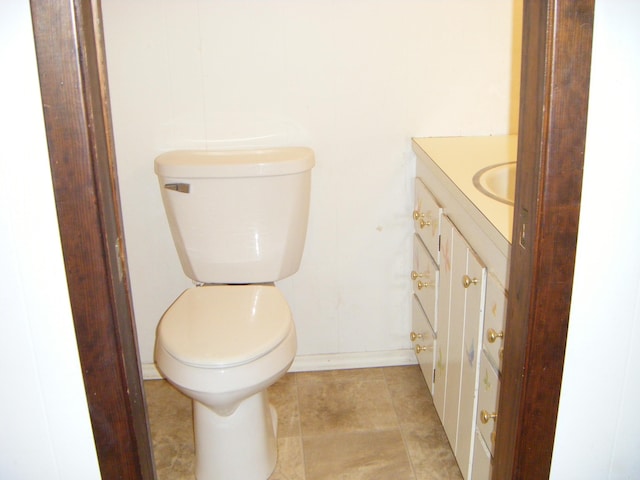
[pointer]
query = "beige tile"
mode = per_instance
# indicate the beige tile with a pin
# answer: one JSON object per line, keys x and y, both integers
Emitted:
{"x": 284, "y": 397}
{"x": 174, "y": 461}
{"x": 336, "y": 403}
{"x": 290, "y": 464}
{"x": 356, "y": 375}
{"x": 378, "y": 455}
{"x": 358, "y": 424}
{"x": 430, "y": 453}
{"x": 410, "y": 396}
{"x": 408, "y": 377}
{"x": 170, "y": 419}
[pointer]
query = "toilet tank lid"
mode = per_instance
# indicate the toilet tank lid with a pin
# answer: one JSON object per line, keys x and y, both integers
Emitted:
{"x": 234, "y": 163}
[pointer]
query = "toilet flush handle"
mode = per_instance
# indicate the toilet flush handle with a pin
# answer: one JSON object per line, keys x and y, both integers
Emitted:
{"x": 178, "y": 187}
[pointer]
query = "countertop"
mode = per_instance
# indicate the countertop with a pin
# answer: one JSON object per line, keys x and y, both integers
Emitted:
{"x": 459, "y": 158}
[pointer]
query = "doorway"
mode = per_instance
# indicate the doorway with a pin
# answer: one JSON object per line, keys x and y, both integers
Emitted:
{"x": 556, "y": 42}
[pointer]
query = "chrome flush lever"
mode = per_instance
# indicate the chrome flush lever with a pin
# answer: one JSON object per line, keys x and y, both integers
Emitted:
{"x": 178, "y": 187}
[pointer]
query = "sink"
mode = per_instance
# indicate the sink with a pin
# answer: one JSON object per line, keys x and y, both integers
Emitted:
{"x": 497, "y": 181}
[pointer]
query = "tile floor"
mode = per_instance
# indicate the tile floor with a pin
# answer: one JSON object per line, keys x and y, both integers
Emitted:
{"x": 375, "y": 423}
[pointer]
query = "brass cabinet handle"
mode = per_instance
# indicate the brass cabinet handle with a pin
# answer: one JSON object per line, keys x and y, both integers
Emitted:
{"x": 414, "y": 336}
{"x": 486, "y": 416}
{"x": 420, "y": 348}
{"x": 415, "y": 275}
{"x": 492, "y": 335}
{"x": 467, "y": 281}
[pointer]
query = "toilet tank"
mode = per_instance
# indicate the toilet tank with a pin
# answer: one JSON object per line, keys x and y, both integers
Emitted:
{"x": 237, "y": 216}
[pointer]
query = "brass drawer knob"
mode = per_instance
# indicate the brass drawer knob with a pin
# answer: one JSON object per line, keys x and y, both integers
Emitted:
{"x": 486, "y": 416}
{"x": 414, "y": 336}
{"x": 492, "y": 335}
{"x": 415, "y": 275}
{"x": 420, "y": 348}
{"x": 467, "y": 281}
{"x": 422, "y": 285}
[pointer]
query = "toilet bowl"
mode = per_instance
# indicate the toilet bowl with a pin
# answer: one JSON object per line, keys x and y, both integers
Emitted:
{"x": 238, "y": 221}
{"x": 223, "y": 346}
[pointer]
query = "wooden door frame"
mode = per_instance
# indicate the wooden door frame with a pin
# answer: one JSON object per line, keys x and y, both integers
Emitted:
{"x": 556, "y": 66}
{"x": 553, "y": 107}
{"x": 73, "y": 84}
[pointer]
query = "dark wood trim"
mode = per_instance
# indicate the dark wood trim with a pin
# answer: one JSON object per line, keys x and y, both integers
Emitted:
{"x": 557, "y": 37}
{"x": 73, "y": 83}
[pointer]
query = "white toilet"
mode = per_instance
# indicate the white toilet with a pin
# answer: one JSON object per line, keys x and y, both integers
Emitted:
{"x": 238, "y": 220}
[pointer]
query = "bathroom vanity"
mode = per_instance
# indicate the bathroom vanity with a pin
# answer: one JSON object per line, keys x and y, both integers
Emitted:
{"x": 463, "y": 217}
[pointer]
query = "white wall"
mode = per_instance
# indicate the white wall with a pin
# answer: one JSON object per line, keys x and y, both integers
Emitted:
{"x": 354, "y": 81}
{"x": 46, "y": 432}
{"x": 598, "y": 430}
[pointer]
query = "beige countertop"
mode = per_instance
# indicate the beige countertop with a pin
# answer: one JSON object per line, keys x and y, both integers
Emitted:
{"x": 459, "y": 158}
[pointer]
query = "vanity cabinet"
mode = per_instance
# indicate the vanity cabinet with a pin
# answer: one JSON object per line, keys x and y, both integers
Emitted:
{"x": 460, "y": 264}
{"x": 448, "y": 306}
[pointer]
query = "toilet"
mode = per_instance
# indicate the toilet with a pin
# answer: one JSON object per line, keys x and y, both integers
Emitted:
{"x": 238, "y": 220}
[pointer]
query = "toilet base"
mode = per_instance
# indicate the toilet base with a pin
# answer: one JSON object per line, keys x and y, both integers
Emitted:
{"x": 239, "y": 446}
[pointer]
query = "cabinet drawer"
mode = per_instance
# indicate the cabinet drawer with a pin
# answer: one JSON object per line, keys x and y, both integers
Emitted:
{"x": 423, "y": 340}
{"x": 425, "y": 278}
{"x": 488, "y": 401}
{"x": 426, "y": 216}
{"x": 494, "y": 322}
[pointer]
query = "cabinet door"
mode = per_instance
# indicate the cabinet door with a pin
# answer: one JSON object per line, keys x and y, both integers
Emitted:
{"x": 460, "y": 313}
{"x": 456, "y": 326}
{"x": 426, "y": 216}
{"x": 424, "y": 342}
{"x": 425, "y": 281}
{"x": 481, "y": 460}
{"x": 473, "y": 284}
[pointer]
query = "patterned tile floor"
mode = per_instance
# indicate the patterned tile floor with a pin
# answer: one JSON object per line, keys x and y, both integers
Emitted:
{"x": 376, "y": 423}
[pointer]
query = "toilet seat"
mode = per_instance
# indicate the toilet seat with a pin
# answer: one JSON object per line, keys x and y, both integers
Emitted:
{"x": 224, "y": 325}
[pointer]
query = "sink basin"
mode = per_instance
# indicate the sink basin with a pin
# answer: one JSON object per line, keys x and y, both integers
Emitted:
{"x": 497, "y": 181}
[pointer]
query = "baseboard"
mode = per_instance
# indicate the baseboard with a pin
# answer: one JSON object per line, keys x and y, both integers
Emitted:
{"x": 343, "y": 361}
{"x": 329, "y": 361}
{"x": 150, "y": 372}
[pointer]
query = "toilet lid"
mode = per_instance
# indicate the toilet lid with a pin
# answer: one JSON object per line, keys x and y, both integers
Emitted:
{"x": 224, "y": 325}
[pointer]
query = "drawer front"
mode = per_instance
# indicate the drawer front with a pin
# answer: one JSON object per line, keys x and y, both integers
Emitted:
{"x": 424, "y": 341}
{"x": 426, "y": 216}
{"x": 425, "y": 277}
{"x": 488, "y": 402}
{"x": 494, "y": 322}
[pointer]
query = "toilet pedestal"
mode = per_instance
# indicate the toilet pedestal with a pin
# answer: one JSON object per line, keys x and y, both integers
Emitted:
{"x": 239, "y": 446}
